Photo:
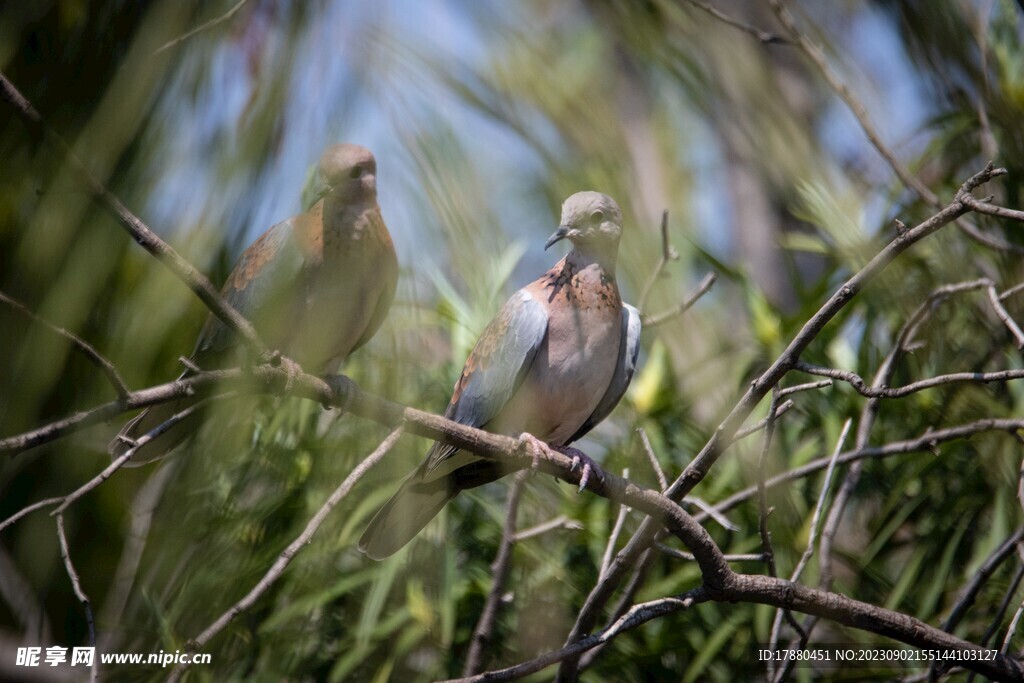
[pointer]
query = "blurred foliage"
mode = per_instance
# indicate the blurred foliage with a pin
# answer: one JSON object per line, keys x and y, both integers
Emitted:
{"x": 484, "y": 116}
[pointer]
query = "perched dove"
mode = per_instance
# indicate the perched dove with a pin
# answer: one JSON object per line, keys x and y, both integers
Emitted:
{"x": 552, "y": 364}
{"x": 316, "y": 286}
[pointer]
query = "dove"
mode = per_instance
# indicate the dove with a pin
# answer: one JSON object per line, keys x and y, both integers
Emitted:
{"x": 551, "y": 365}
{"x": 316, "y": 287}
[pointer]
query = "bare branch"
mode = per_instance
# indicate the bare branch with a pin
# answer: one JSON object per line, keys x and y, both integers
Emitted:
{"x": 199, "y": 29}
{"x": 38, "y": 505}
{"x": 293, "y": 549}
{"x": 142, "y": 508}
{"x": 780, "y": 593}
{"x": 727, "y": 429}
{"x": 762, "y": 498}
{"x": 766, "y": 538}
{"x": 984, "y": 207}
{"x": 64, "y": 502}
{"x": 667, "y": 254}
{"x": 1005, "y": 317}
{"x": 1011, "y": 630}
{"x": 764, "y": 36}
{"x": 76, "y": 585}
{"x": 139, "y": 231}
{"x": 702, "y": 289}
{"x": 119, "y": 461}
{"x": 761, "y": 424}
{"x": 499, "y": 569}
{"x": 79, "y": 344}
{"x": 1003, "y": 606}
{"x": 926, "y": 442}
{"x": 683, "y": 555}
{"x": 809, "y": 386}
{"x": 559, "y": 522}
{"x": 652, "y": 458}
{"x": 163, "y": 393}
{"x": 988, "y": 567}
{"x": 711, "y": 512}
{"x": 858, "y": 383}
{"x": 812, "y": 536}
{"x": 1016, "y": 289}
{"x": 817, "y": 56}
{"x": 637, "y": 616}
{"x": 613, "y": 538}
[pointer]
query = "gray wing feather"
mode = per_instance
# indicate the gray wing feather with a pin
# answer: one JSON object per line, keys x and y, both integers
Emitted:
{"x": 521, "y": 326}
{"x": 496, "y": 367}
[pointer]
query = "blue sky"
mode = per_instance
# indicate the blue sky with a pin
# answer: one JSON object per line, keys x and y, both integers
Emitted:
{"x": 359, "y": 79}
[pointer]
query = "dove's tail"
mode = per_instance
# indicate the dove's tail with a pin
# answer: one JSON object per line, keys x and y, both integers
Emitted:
{"x": 146, "y": 421}
{"x": 405, "y": 514}
{"x": 421, "y": 496}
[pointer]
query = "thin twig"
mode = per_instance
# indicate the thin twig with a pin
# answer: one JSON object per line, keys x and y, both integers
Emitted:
{"x": 984, "y": 207}
{"x": 926, "y": 442}
{"x": 765, "y": 590}
{"x": 289, "y": 553}
{"x": 667, "y": 254}
{"x": 139, "y": 231}
{"x": 683, "y": 555}
{"x": 766, "y": 537}
{"x": 765, "y": 37}
{"x": 762, "y": 423}
{"x": 210, "y": 24}
{"x": 38, "y": 505}
{"x": 1004, "y": 315}
{"x": 820, "y": 507}
{"x": 711, "y": 512}
{"x": 76, "y": 585}
{"x": 985, "y": 571}
{"x": 701, "y": 464}
{"x": 499, "y": 569}
{"x": 1012, "y": 629}
{"x": 1003, "y": 606}
{"x": 652, "y": 458}
{"x": 559, "y": 522}
{"x": 620, "y": 521}
{"x": 637, "y": 616}
{"x": 861, "y": 387}
{"x": 808, "y": 553}
{"x": 120, "y": 461}
{"x": 762, "y": 496}
{"x": 1016, "y": 289}
{"x": 817, "y": 56}
{"x": 809, "y": 386}
{"x": 80, "y": 345}
{"x": 702, "y": 289}
{"x": 142, "y": 508}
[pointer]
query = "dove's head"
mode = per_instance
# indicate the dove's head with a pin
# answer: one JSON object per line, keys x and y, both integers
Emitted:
{"x": 593, "y": 223}
{"x": 347, "y": 172}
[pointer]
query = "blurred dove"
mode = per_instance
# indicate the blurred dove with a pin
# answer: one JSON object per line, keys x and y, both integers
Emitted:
{"x": 316, "y": 286}
{"x": 552, "y": 364}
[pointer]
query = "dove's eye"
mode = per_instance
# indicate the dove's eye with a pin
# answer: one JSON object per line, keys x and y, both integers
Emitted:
{"x": 597, "y": 216}
{"x": 355, "y": 172}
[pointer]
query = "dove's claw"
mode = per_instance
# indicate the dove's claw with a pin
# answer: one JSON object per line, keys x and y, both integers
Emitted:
{"x": 539, "y": 447}
{"x": 579, "y": 457}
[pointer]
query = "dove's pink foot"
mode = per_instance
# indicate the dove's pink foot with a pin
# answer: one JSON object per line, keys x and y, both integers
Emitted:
{"x": 538, "y": 448}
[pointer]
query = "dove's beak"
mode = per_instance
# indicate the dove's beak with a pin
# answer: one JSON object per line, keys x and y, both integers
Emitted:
{"x": 557, "y": 236}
